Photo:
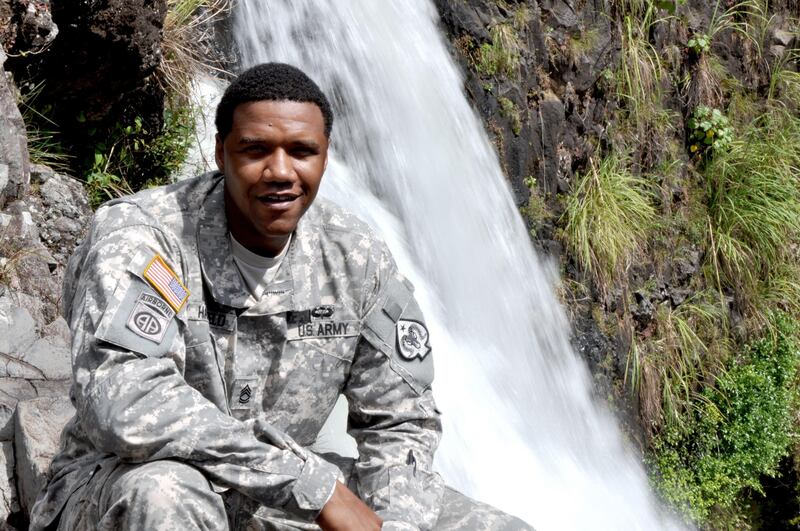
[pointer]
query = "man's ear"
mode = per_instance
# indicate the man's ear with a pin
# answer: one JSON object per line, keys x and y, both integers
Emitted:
{"x": 219, "y": 154}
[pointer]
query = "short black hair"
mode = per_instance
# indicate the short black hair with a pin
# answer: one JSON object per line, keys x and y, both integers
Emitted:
{"x": 271, "y": 82}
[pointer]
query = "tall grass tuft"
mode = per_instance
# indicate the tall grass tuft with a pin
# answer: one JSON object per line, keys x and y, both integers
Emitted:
{"x": 753, "y": 200}
{"x": 608, "y": 217}
{"x": 186, "y": 28}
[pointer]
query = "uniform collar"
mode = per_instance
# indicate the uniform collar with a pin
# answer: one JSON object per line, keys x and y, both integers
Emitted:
{"x": 295, "y": 286}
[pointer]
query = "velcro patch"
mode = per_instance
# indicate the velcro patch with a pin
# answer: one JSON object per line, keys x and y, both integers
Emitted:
{"x": 166, "y": 282}
{"x": 150, "y": 317}
{"x": 412, "y": 339}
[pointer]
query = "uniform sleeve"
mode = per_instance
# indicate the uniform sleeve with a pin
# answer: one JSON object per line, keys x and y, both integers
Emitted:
{"x": 132, "y": 401}
{"x": 393, "y": 416}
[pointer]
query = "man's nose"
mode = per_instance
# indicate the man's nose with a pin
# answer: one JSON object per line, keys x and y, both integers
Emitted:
{"x": 279, "y": 167}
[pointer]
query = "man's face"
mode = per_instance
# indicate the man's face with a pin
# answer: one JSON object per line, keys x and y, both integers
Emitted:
{"x": 273, "y": 160}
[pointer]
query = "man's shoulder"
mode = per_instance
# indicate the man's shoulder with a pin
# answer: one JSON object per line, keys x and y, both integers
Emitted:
{"x": 335, "y": 221}
{"x": 161, "y": 207}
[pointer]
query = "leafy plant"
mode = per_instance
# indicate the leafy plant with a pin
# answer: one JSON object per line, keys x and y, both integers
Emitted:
{"x": 738, "y": 431}
{"x": 122, "y": 153}
{"x": 608, "y": 217}
{"x": 700, "y": 43}
{"x": 710, "y": 132}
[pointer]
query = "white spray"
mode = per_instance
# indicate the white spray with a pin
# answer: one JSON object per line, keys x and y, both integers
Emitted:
{"x": 410, "y": 156}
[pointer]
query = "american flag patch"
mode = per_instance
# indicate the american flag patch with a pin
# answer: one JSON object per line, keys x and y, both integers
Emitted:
{"x": 166, "y": 283}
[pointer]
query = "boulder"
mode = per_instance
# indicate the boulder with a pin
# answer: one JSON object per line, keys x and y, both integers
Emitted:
{"x": 38, "y": 425}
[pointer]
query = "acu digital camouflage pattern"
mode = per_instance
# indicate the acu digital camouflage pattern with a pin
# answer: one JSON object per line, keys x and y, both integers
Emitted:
{"x": 216, "y": 404}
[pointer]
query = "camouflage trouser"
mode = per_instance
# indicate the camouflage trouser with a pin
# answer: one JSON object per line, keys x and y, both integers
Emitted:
{"x": 168, "y": 495}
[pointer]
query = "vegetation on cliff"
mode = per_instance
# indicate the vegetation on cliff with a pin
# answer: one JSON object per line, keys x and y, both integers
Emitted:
{"x": 664, "y": 140}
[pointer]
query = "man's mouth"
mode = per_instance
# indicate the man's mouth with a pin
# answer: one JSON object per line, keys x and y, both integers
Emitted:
{"x": 278, "y": 199}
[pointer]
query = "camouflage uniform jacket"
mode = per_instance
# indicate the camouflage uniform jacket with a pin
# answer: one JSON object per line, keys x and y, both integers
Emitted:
{"x": 238, "y": 389}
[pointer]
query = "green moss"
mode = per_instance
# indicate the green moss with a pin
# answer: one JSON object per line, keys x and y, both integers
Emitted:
{"x": 509, "y": 109}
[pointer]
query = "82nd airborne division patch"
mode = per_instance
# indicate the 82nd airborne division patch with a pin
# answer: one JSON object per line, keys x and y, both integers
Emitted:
{"x": 150, "y": 317}
{"x": 412, "y": 339}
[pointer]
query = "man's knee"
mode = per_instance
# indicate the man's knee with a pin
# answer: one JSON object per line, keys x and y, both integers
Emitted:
{"x": 463, "y": 513}
{"x": 159, "y": 495}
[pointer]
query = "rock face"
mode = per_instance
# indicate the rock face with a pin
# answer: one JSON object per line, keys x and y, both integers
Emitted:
{"x": 40, "y": 226}
{"x": 14, "y": 158}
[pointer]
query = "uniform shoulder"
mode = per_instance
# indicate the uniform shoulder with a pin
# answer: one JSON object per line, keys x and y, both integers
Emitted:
{"x": 333, "y": 218}
{"x": 164, "y": 207}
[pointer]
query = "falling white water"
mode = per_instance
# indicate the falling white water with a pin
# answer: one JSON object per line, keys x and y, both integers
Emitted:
{"x": 410, "y": 157}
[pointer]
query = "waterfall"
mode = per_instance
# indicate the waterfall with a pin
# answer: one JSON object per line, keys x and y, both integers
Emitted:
{"x": 410, "y": 156}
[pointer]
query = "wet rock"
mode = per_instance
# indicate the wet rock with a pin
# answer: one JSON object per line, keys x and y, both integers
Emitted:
{"x": 14, "y": 157}
{"x": 645, "y": 310}
{"x": 9, "y": 502}
{"x": 38, "y": 425}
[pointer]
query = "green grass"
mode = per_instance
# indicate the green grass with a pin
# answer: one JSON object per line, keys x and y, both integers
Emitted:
{"x": 44, "y": 146}
{"x": 753, "y": 201}
{"x": 186, "y": 27}
{"x": 502, "y": 55}
{"x": 608, "y": 217}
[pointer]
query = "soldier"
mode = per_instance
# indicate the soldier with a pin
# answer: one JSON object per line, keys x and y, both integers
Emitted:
{"x": 215, "y": 323}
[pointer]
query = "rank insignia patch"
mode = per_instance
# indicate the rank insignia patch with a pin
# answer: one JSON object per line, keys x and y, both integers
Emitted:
{"x": 412, "y": 339}
{"x": 150, "y": 317}
{"x": 166, "y": 282}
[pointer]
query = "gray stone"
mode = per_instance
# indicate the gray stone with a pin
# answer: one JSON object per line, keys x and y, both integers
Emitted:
{"x": 38, "y": 425}
{"x": 61, "y": 211}
{"x": 51, "y": 388}
{"x": 17, "y": 327}
{"x": 51, "y": 357}
{"x": 9, "y": 502}
{"x": 12, "y": 390}
{"x": 13, "y": 144}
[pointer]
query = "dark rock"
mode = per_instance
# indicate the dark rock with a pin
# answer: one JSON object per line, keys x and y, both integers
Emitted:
{"x": 14, "y": 157}
{"x": 26, "y": 26}
{"x": 644, "y": 310}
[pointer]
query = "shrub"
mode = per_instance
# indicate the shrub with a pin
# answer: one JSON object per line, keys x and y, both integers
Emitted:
{"x": 738, "y": 430}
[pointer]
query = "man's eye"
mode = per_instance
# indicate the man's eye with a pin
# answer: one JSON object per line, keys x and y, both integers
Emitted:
{"x": 254, "y": 149}
{"x": 303, "y": 152}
